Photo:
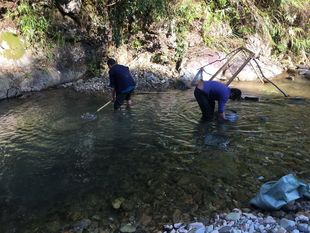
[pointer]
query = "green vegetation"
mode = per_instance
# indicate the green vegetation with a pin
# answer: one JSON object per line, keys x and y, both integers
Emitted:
{"x": 11, "y": 46}
{"x": 94, "y": 68}
{"x": 284, "y": 24}
{"x": 127, "y": 17}
{"x": 136, "y": 44}
{"x": 32, "y": 22}
{"x": 185, "y": 13}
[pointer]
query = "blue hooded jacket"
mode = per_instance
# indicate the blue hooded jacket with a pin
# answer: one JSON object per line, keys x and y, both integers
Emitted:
{"x": 217, "y": 91}
{"x": 121, "y": 79}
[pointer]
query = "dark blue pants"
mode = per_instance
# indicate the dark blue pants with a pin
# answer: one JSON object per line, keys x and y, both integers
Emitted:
{"x": 120, "y": 98}
{"x": 206, "y": 105}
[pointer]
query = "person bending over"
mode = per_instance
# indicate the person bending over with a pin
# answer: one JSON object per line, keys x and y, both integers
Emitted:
{"x": 207, "y": 92}
{"x": 121, "y": 82}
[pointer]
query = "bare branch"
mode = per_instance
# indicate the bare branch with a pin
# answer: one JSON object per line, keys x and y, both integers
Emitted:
{"x": 113, "y": 3}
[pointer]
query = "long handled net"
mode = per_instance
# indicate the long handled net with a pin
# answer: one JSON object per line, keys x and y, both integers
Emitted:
{"x": 92, "y": 116}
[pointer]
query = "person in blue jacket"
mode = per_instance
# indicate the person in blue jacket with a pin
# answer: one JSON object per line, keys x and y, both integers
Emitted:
{"x": 121, "y": 82}
{"x": 207, "y": 92}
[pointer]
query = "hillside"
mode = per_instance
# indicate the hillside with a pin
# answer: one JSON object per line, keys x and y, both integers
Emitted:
{"x": 68, "y": 40}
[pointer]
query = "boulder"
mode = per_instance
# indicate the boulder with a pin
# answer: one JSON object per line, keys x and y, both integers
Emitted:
{"x": 304, "y": 73}
{"x": 212, "y": 61}
{"x": 197, "y": 58}
{"x": 70, "y": 65}
{"x": 70, "y": 6}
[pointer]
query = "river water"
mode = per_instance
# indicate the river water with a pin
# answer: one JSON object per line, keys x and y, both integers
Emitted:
{"x": 158, "y": 157}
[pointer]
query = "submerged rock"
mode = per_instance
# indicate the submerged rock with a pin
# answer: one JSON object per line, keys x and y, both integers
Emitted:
{"x": 217, "y": 140}
{"x": 304, "y": 73}
{"x": 81, "y": 225}
{"x": 118, "y": 202}
{"x": 233, "y": 216}
{"x": 128, "y": 228}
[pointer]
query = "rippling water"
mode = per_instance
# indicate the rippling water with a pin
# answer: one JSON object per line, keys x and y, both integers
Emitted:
{"x": 57, "y": 167}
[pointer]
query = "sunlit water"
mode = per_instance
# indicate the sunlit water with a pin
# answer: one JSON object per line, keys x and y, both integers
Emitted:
{"x": 57, "y": 167}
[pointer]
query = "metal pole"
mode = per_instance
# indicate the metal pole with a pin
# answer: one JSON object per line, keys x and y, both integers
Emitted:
{"x": 269, "y": 80}
{"x": 224, "y": 66}
{"x": 239, "y": 70}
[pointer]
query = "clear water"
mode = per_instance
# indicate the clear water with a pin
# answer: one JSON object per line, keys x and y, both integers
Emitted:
{"x": 56, "y": 168}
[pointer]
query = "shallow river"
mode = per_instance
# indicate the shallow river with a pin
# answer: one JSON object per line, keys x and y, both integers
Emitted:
{"x": 56, "y": 168}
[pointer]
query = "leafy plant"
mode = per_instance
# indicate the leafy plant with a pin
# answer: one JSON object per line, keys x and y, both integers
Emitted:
{"x": 93, "y": 68}
{"x": 137, "y": 43}
{"x": 159, "y": 58}
{"x": 185, "y": 13}
{"x": 32, "y": 23}
{"x": 124, "y": 14}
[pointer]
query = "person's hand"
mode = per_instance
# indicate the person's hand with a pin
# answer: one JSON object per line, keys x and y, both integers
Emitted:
{"x": 113, "y": 99}
{"x": 221, "y": 117}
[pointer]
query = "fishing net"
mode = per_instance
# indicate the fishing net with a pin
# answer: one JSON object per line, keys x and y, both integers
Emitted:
{"x": 197, "y": 77}
{"x": 88, "y": 116}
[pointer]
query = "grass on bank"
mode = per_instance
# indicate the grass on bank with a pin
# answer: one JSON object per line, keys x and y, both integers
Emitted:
{"x": 284, "y": 24}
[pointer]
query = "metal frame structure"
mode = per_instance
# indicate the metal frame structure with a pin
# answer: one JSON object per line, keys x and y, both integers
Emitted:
{"x": 251, "y": 55}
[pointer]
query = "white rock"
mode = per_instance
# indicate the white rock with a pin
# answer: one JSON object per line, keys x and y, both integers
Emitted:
{"x": 302, "y": 218}
{"x": 233, "y": 216}
{"x": 281, "y": 230}
{"x": 269, "y": 220}
{"x": 177, "y": 225}
{"x": 196, "y": 225}
{"x": 215, "y": 231}
{"x": 209, "y": 229}
{"x": 182, "y": 230}
{"x": 170, "y": 227}
{"x": 251, "y": 230}
{"x": 249, "y": 215}
{"x": 261, "y": 228}
{"x": 235, "y": 231}
{"x": 285, "y": 223}
{"x": 303, "y": 227}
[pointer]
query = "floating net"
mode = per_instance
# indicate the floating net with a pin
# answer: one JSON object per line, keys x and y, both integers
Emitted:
{"x": 88, "y": 116}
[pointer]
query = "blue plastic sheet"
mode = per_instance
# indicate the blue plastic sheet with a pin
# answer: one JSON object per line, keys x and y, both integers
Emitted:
{"x": 275, "y": 194}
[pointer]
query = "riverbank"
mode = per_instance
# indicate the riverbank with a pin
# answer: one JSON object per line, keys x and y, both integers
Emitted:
{"x": 293, "y": 217}
{"x": 73, "y": 68}
{"x": 149, "y": 83}
{"x": 73, "y": 65}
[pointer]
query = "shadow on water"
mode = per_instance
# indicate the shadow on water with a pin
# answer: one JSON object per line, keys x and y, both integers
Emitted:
{"x": 158, "y": 156}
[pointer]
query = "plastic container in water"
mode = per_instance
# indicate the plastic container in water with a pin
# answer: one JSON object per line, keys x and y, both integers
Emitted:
{"x": 232, "y": 117}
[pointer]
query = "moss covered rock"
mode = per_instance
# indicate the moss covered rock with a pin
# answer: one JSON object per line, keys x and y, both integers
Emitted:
{"x": 11, "y": 47}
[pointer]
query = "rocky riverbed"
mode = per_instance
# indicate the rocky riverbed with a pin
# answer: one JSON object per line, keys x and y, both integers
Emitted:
{"x": 293, "y": 217}
{"x": 145, "y": 81}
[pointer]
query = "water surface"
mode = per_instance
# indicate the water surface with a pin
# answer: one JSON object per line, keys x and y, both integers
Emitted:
{"x": 56, "y": 167}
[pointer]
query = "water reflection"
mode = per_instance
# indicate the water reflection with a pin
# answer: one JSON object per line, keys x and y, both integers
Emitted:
{"x": 216, "y": 140}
